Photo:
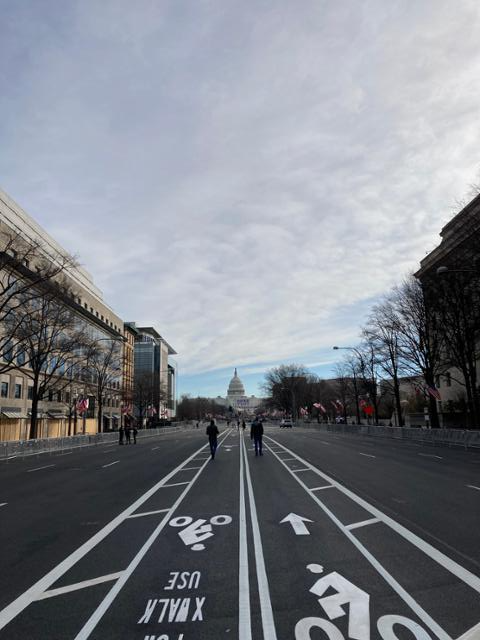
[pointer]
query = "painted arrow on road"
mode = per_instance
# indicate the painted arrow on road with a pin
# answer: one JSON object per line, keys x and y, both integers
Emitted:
{"x": 298, "y": 524}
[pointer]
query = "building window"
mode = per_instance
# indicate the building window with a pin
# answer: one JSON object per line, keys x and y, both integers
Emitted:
{"x": 20, "y": 358}
{"x": 96, "y": 313}
{"x": 59, "y": 396}
{"x": 50, "y": 396}
{"x": 4, "y": 390}
{"x": 67, "y": 397}
{"x": 449, "y": 379}
{"x": 18, "y": 390}
{"x": 101, "y": 318}
{"x": 30, "y": 393}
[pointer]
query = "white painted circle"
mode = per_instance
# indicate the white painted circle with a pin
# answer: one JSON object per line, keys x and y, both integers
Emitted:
{"x": 198, "y": 547}
{"x": 221, "y": 520}
{"x": 303, "y": 628}
{"x": 385, "y": 628}
{"x": 181, "y": 521}
{"x": 315, "y": 568}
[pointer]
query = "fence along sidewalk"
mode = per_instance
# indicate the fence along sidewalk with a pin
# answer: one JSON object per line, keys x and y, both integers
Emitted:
{"x": 21, "y": 448}
{"x": 447, "y": 437}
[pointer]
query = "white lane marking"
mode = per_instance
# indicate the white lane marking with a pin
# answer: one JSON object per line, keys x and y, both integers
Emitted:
{"x": 79, "y": 585}
{"x": 69, "y": 453}
{"x": 155, "y": 448}
{"x": 447, "y": 563}
{"x": 174, "y": 484}
{"x": 244, "y": 616}
{"x": 364, "y": 523}
{"x": 298, "y": 524}
{"x": 323, "y": 442}
{"x": 110, "y": 464}
{"x": 97, "y": 615}
{"x": 39, "y": 468}
{"x": 3, "y": 504}
{"x": 406, "y": 597}
{"x": 189, "y": 468}
{"x": 148, "y": 513}
{"x": 367, "y": 455}
{"x": 472, "y": 486}
{"x": 429, "y": 455}
{"x": 289, "y": 459}
{"x": 299, "y": 470}
{"x": 325, "y": 486}
{"x": 471, "y": 634}
{"x": 268, "y": 623}
{"x": 20, "y": 603}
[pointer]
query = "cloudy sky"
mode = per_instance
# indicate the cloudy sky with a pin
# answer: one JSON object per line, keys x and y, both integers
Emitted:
{"x": 248, "y": 176}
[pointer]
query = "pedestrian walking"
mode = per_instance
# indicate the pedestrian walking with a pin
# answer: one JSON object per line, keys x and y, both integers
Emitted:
{"x": 127, "y": 433}
{"x": 121, "y": 433}
{"x": 134, "y": 433}
{"x": 243, "y": 425}
{"x": 256, "y": 434}
{"x": 212, "y": 433}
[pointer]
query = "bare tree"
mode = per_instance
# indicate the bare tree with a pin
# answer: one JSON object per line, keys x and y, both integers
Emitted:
{"x": 26, "y": 272}
{"x": 286, "y": 387}
{"x": 104, "y": 365}
{"x": 382, "y": 335}
{"x": 420, "y": 340}
{"x": 53, "y": 341}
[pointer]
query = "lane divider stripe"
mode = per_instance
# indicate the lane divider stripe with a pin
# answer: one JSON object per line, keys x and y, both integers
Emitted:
{"x": 244, "y": 614}
{"x": 148, "y": 513}
{"x": 77, "y": 586}
{"x": 364, "y": 523}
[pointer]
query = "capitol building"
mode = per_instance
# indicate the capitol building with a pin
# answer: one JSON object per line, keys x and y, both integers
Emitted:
{"x": 237, "y": 398}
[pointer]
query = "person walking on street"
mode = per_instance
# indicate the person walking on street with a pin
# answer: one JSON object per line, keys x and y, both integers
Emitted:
{"x": 121, "y": 433}
{"x": 243, "y": 425}
{"x": 127, "y": 433}
{"x": 212, "y": 433}
{"x": 134, "y": 432}
{"x": 256, "y": 434}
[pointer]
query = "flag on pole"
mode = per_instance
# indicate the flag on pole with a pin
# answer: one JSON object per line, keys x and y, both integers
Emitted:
{"x": 434, "y": 392}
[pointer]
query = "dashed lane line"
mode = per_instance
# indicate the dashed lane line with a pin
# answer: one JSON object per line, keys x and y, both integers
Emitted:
{"x": 325, "y": 486}
{"x": 472, "y": 486}
{"x": 268, "y": 624}
{"x": 3, "y": 504}
{"x": 40, "y": 468}
{"x": 25, "y": 599}
{"x": 366, "y": 455}
{"x": 97, "y": 615}
{"x": 175, "y": 484}
{"x": 406, "y": 597}
{"x": 429, "y": 455}
{"x": 155, "y": 448}
{"x": 110, "y": 464}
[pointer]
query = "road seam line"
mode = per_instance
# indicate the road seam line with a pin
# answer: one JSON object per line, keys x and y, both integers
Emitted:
{"x": 406, "y": 597}
{"x": 175, "y": 484}
{"x": 110, "y": 464}
{"x": 78, "y": 585}
{"x": 244, "y": 614}
{"x": 363, "y": 523}
{"x": 97, "y": 615}
{"x": 268, "y": 624}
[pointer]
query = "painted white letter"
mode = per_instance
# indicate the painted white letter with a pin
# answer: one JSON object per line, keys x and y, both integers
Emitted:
{"x": 303, "y": 628}
{"x": 198, "y": 611}
{"x": 151, "y": 604}
{"x": 385, "y": 628}
{"x": 171, "y": 582}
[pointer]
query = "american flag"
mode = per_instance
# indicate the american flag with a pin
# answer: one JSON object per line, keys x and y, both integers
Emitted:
{"x": 319, "y": 405}
{"x": 82, "y": 405}
{"x": 434, "y": 392}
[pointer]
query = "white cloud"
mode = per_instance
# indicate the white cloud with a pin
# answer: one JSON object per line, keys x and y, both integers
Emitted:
{"x": 246, "y": 177}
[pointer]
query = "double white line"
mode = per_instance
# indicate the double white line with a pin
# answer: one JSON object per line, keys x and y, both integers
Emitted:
{"x": 245, "y": 622}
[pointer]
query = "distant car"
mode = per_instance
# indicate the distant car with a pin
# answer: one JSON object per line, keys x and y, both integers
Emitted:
{"x": 286, "y": 422}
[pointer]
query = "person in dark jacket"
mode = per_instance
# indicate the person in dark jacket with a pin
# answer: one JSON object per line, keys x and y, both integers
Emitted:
{"x": 256, "y": 434}
{"x": 121, "y": 433}
{"x": 212, "y": 433}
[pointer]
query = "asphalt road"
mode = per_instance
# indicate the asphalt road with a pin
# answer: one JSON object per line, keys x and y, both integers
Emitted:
{"x": 324, "y": 537}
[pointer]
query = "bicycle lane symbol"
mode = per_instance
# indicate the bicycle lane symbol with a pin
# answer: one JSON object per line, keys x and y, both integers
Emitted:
{"x": 195, "y": 532}
{"x": 349, "y": 597}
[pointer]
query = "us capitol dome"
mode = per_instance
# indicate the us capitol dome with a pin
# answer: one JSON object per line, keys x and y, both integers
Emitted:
{"x": 237, "y": 398}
